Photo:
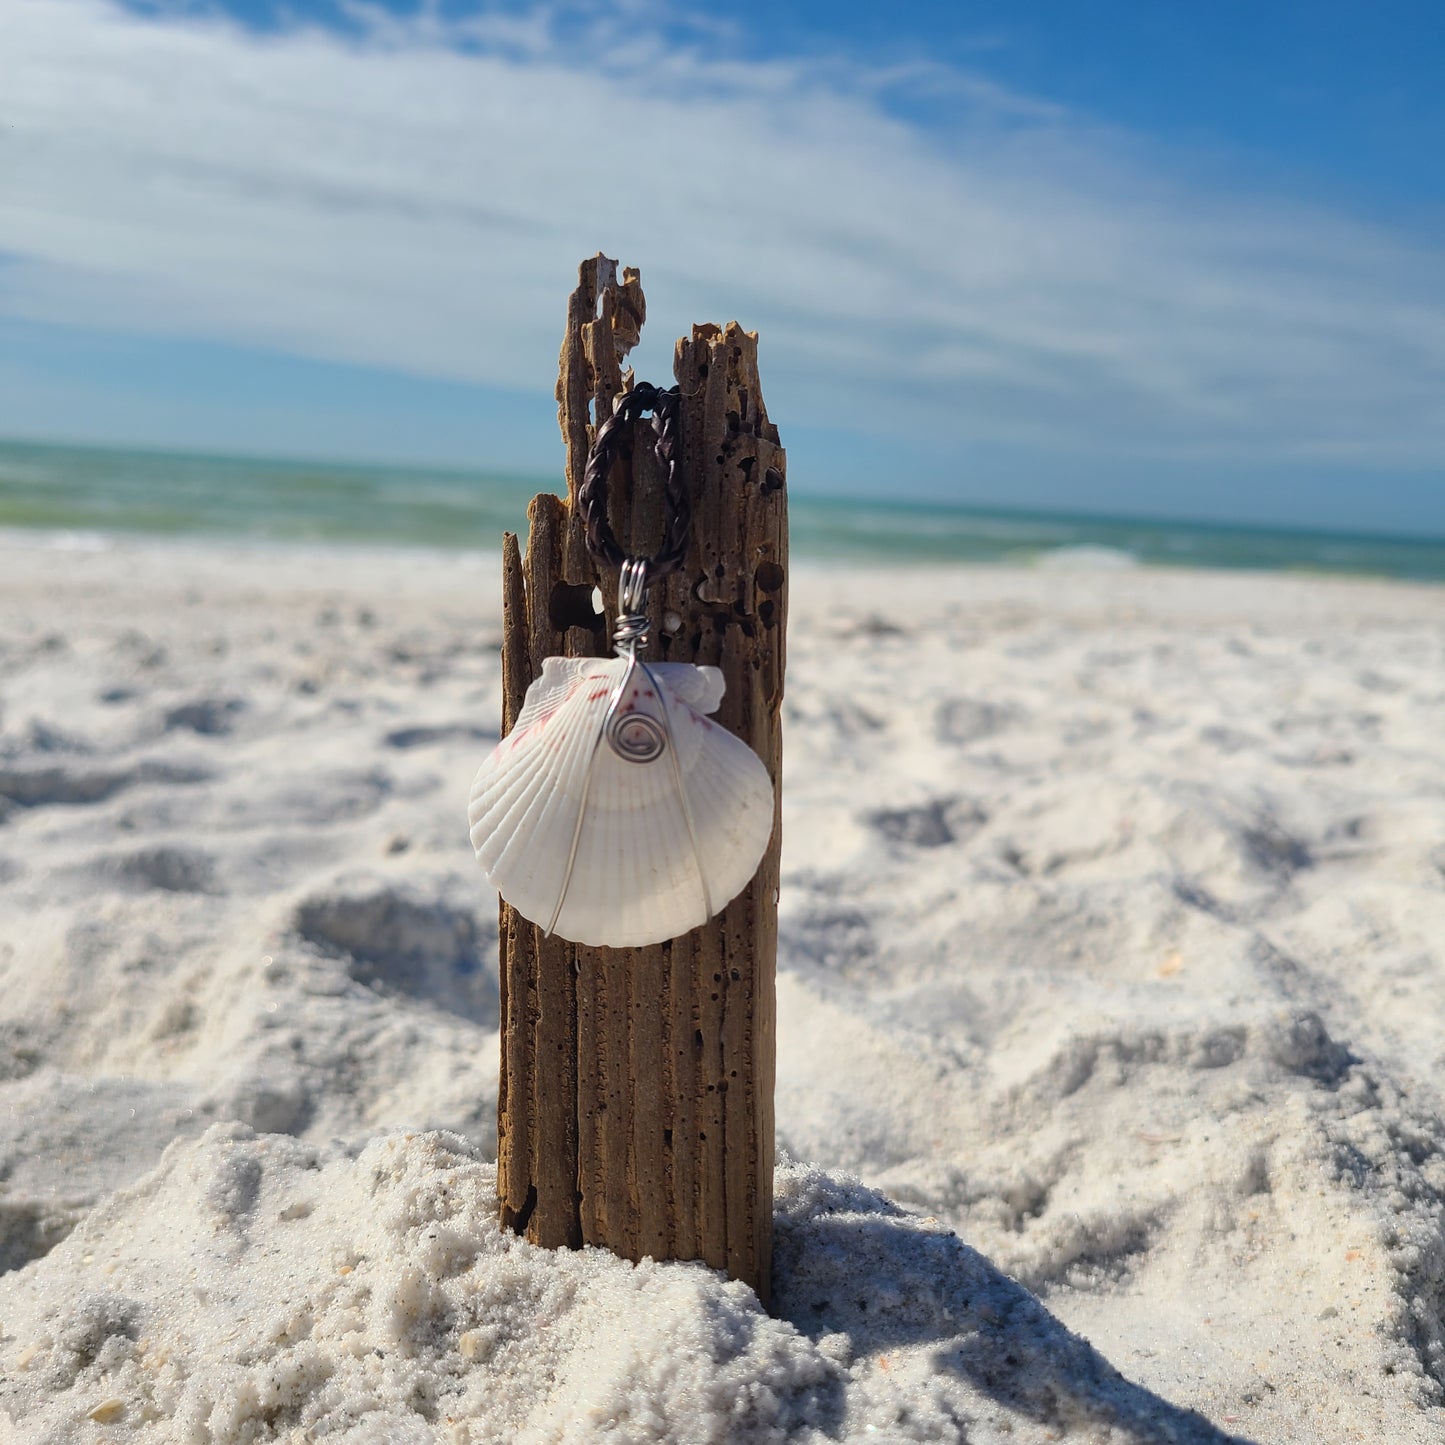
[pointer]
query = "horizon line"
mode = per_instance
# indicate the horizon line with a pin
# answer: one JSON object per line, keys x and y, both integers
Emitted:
{"x": 911, "y": 502}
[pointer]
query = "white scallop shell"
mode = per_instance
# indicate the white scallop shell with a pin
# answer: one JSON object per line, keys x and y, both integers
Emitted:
{"x": 651, "y": 862}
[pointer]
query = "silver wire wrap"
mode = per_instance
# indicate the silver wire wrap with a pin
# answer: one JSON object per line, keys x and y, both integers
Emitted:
{"x": 631, "y": 632}
{"x": 634, "y": 737}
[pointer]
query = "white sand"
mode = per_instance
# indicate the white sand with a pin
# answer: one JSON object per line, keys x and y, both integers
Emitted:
{"x": 1112, "y": 991}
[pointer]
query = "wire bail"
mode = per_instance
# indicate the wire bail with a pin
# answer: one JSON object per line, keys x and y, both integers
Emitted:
{"x": 631, "y": 631}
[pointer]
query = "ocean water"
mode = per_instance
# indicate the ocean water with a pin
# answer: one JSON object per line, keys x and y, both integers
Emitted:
{"x": 98, "y": 490}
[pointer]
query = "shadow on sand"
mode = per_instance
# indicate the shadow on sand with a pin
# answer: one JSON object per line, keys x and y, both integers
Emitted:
{"x": 847, "y": 1260}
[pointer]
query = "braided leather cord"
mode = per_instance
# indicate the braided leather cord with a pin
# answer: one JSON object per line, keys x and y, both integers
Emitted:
{"x": 666, "y": 409}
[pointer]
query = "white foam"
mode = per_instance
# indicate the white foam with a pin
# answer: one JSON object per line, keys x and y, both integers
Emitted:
{"x": 1086, "y": 559}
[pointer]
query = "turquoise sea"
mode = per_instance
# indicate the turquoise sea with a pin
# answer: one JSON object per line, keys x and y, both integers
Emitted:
{"x": 94, "y": 489}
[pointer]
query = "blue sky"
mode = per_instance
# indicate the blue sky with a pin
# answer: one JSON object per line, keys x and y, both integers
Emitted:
{"x": 1148, "y": 258}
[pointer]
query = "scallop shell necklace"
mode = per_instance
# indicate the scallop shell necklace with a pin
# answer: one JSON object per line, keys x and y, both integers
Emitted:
{"x": 616, "y": 811}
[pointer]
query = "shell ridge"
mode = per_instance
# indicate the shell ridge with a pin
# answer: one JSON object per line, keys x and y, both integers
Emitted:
{"x": 694, "y": 862}
{"x": 634, "y": 852}
{"x": 506, "y": 771}
{"x": 508, "y": 807}
{"x": 528, "y": 805}
{"x": 737, "y": 834}
{"x": 630, "y": 892}
{"x": 562, "y": 803}
{"x": 507, "y": 779}
{"x": 735, "y": 804}
{"x": 547, "y": 691}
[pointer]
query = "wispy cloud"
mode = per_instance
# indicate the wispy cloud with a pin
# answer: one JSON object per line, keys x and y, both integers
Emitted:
{"x": 417, "y": 194}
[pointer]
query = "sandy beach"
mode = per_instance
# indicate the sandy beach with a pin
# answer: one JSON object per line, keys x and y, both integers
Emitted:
{"x": 1111, "y": 1041}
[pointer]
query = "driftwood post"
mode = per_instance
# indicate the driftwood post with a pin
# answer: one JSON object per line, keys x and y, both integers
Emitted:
{"x": 636, "y": 1103}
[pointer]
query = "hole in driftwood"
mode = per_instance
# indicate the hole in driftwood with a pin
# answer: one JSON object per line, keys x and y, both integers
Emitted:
{"x": 769, "y": 577}
{"x": 574, "y": 604}
{"x": 524, "y": 1214}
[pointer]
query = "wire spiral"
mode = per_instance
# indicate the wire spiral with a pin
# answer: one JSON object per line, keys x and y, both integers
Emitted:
{"x": 636, "y": 738}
